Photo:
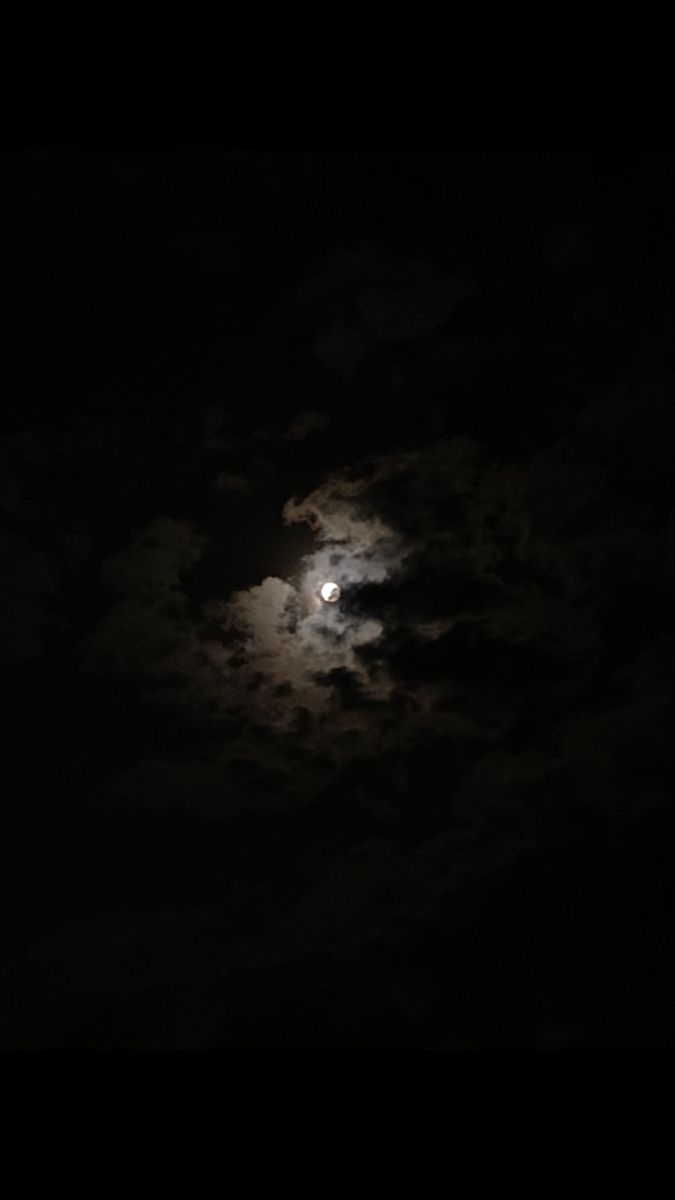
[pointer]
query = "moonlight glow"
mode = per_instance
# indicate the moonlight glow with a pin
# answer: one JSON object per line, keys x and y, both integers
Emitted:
{"x": 330, "y": 592}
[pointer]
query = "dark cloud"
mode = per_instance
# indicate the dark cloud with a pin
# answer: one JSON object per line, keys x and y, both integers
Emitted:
{"x": 41, "y": 550}
{"x": 306, "y": 424}
{"x": 368, "y": 296}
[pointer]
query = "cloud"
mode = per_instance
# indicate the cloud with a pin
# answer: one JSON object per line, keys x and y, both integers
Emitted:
{"x": 306, "y": 423}
{"x": 227, "y": 481}
{"x": 148, "y": 628}
{"x": 41, "y": 555}
{"x": 369, "y": 297}
{"x": 31, "y": 587}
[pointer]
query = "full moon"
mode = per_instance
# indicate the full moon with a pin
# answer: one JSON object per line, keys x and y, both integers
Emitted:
{"x": 330, "y": 592}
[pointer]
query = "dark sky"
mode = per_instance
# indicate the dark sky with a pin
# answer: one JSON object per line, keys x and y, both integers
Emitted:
{"x": 437, "y": 814}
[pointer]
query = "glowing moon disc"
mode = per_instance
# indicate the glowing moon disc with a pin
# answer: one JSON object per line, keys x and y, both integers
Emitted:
{"x": 330, "y": 592}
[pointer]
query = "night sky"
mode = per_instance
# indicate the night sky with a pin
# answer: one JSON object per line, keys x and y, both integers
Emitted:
{"x": 437, "y": 814}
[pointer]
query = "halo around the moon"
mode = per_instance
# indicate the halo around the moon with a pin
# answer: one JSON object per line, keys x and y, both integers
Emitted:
{"x": 330, "y": 592}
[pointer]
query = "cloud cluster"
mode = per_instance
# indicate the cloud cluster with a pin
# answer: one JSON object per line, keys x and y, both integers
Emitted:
{"x": 479, "y": 599}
